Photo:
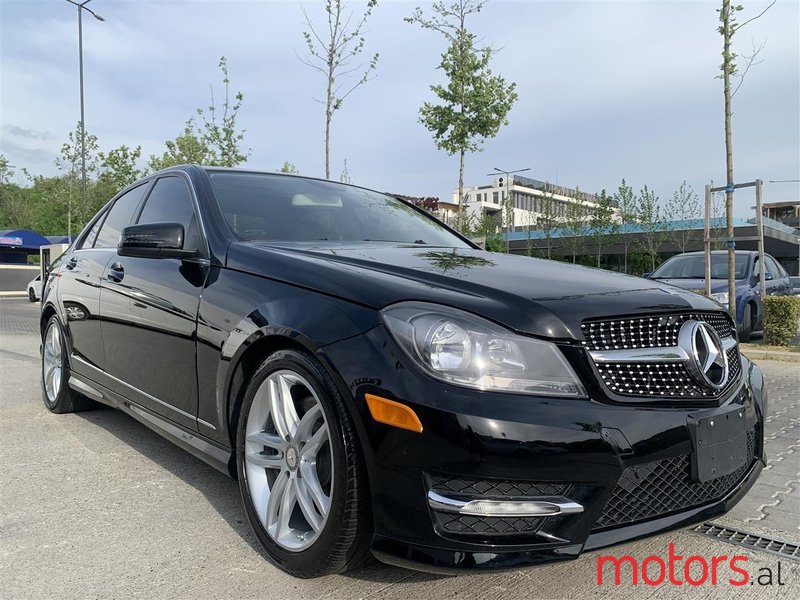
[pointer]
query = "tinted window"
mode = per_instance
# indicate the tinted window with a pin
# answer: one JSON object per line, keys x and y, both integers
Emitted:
{"x": 170, "y": 202}
{"x": 280, "y": 208}
{"x": 118, "y": 218}
{"x": 88, "y": 241}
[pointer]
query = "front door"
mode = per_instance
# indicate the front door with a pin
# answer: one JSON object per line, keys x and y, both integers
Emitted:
{"x": 149, "y": 308}
{"x": 79, "y": 283}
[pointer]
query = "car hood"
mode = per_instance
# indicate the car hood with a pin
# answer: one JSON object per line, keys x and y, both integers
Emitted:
{"x": 541, "y": 297}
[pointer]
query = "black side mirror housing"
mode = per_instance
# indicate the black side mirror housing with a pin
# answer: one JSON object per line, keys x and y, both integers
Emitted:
{"x": 768, "y": 276}
{"x": 154, "y": 240}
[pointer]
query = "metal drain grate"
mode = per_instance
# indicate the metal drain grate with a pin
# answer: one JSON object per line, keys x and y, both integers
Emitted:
{"x": 753, "y": 541}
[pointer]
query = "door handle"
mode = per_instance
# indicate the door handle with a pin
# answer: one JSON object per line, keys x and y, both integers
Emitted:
{"x": 72, "y": 263}
{"x": 116, "y": 272}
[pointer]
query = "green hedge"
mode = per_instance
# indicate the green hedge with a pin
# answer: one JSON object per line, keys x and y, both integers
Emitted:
{"x": 781, "y": 317}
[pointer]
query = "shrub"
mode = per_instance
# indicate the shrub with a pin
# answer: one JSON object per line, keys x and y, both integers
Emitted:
{"x": 781, "y": 318}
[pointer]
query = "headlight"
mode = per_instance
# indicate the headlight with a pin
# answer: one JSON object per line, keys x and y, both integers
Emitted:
{"x": 721, "y": 297}
{"x": 463, "y": 349}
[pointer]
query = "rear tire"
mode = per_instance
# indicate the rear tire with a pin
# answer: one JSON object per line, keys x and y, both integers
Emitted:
{"x": 56, "y": 393}
{"x": 747, "y": 323}
{"x": 320, "y": 521}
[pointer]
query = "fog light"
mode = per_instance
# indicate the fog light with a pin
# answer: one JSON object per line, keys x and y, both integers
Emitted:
{"x": 541, "y": 506}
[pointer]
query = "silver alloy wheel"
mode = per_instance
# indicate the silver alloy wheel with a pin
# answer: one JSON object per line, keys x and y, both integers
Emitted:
{"x": 51, "y": 362}
{"x": 289, "y": 460}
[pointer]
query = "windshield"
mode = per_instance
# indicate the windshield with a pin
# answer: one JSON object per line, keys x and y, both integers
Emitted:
{"x": 692, "y": 266}
{"x": 267, "y": 207}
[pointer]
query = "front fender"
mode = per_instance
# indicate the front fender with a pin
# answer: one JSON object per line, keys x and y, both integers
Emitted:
{"x": 242, "y": 317}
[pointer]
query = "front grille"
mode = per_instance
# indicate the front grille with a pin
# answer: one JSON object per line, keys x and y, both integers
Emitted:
{"x": 647, "y": 332}
{"x": 670, "y": 380}
{"x": 470, "y": 525}
{"x": 648, "y": 379}
{"x": 494, "y": 488}
{"x": 662, "y": 487}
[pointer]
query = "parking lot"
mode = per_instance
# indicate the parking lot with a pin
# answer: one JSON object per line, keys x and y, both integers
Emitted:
{"x": 96, "y": 505}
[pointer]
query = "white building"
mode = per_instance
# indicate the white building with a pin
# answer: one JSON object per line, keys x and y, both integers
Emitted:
{"x": 532, "y": 202}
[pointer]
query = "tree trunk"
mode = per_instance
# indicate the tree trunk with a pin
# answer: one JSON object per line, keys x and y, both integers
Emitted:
{"x": 459, "y": 220}
{"x": 328, "y": 118}
{"x": 726, "y": 77}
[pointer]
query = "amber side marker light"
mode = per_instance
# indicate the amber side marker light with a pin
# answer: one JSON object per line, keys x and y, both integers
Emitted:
{"x": 393, "y": 413}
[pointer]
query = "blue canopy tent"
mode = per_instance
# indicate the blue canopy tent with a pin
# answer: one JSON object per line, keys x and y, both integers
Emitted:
{"x": 17, "y": 244}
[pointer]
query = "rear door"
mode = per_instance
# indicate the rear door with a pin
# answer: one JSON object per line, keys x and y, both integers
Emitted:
{"x": 79, "y": 282}
{"x": 149, "y": 308}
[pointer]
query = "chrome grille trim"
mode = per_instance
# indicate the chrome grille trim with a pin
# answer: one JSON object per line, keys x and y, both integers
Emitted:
{"x": 642, "y": 356}
{"x": 665, "y": 355}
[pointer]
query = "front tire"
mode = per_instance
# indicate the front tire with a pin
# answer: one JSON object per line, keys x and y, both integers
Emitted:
{"x": 301, "y": 472}
{"x": 56, "y": 393}
{"x": 747, "y": 323}
{"x": 31, "y": 295}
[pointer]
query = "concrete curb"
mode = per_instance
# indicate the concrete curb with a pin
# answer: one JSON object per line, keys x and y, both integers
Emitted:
{"x": 756, "y": 354}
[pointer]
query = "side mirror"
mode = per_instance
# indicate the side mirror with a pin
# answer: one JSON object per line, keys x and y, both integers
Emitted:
{"x": 646, "y": 275}
{"x": 153, "y": 240}
{"x": 767, "y": 276}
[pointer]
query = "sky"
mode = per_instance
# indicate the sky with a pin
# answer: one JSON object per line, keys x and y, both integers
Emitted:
{"x": 607, "y": 90}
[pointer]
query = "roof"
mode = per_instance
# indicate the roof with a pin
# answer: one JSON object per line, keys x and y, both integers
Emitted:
{"x": 22, "y": 239}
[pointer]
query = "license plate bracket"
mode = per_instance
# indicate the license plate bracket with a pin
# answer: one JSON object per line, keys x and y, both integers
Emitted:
{"x": 720, "y": 443}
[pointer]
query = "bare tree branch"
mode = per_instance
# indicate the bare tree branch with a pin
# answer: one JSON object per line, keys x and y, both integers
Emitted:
{"x": 761, "y": 14}
{"x": 749, "y": 61}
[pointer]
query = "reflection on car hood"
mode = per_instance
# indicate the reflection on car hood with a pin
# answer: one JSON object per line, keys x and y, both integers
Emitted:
{"x": 541, "y": 297}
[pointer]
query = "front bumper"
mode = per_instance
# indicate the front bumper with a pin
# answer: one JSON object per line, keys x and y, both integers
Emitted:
{"x": 617, "y": 461}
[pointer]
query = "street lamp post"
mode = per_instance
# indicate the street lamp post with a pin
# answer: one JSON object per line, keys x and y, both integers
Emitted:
{"x": 81, "y": 7}
{"x": 509, "y": 204}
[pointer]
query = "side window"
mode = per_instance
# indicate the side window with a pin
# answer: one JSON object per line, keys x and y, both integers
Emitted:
{"x": 119, "y": 217}
{"x": 756, "y": 267}
{"x": 88, "y": 241}
{"x": 773, "y": 267}
{"x": 170, "y": 202}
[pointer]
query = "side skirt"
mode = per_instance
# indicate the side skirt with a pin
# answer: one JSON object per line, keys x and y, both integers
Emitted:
{"x": 218, "y": 457}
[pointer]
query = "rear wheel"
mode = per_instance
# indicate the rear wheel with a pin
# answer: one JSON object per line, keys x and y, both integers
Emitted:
{"x": 56, "y": 393}
{"x": 301, "y": 474}
{"x": 746, "y": 330}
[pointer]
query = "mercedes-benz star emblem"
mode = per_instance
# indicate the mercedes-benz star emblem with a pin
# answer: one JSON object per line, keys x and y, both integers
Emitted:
{"x": 708, "y": 362}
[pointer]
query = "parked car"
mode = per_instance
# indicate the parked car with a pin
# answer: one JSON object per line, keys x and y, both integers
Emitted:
{"x": 35, "y": 288}
{"x": 688, "y": 271}
{"x": 378, "y": 383}
{"x": 795, "y": 285}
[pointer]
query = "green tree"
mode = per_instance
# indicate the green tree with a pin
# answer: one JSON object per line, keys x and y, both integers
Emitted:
{"x": 211, "y": 138}
{"x": 575, "y": 225}
{"x": 683, "y": 206}
{"x": 626, "y": 201}
{"x": 548, "y": 217}
{"x": 474, "y": 103}
{"x": 14, "y": 210}
{"x": 603, "y": 224}
{"x": 289, "y": 168}
{"x": 118, "y": 169}
{"x": 68, "y": 193}
{"x": 331, "y": 51}
{"x": 651, "y": 222}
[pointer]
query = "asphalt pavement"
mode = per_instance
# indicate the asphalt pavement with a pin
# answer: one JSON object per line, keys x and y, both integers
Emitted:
{"x": 95, "y": 505}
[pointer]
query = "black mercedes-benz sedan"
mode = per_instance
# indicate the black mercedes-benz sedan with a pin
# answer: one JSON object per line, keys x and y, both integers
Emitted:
{"x": 378, "y": 384}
